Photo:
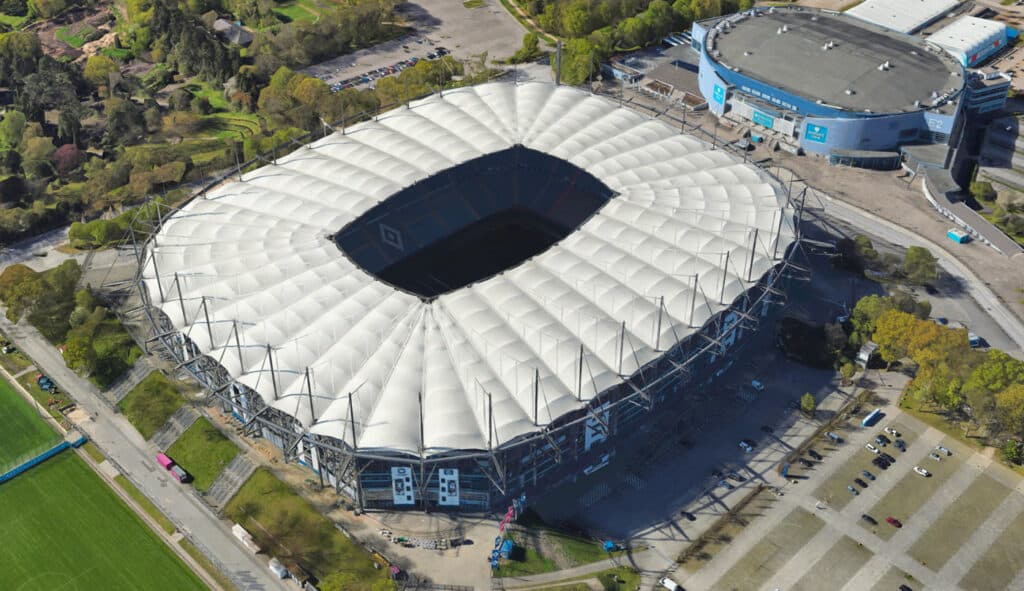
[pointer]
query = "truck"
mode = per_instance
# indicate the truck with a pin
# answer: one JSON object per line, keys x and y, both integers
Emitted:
{"x": 872, "y": 418}
{"x": 958, "y": 236}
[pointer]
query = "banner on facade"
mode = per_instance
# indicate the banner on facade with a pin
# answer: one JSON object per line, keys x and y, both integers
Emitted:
{"x": 402, "y": 490}
{"x": 448, "y": 491}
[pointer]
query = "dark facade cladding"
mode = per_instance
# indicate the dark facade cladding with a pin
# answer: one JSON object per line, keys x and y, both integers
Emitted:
{"x": 646, "y": 406}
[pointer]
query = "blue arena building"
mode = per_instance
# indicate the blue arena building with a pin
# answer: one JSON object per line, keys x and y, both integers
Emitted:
{"x": 831, "y": 85}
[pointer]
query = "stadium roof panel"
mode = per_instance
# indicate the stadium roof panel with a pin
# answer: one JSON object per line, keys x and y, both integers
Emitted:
{"x": 969, "y": 35}
{"x": 903, "y": 16}
{"x": 796, "y": 61}
{"x": 251, "y": 275}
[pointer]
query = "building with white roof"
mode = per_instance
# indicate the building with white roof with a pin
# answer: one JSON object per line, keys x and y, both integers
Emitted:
{"x": 903, "y": 16}
{"x": 346, "y": 301}
{"x": 972, "y": 40}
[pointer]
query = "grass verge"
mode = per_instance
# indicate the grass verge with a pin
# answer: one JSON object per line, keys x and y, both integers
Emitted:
{"x": 145, "y": 503}
{"x": 151, "y": 403}
{"x": 15, "y": 362}
{"x": 287, "y": 526}
{"x": 214, "y": 572}
{"x": 24, "y": 431}
{"x": 94, "y": 452}
{"x": 203, "y": 451}
{"x": 65, "y": 529}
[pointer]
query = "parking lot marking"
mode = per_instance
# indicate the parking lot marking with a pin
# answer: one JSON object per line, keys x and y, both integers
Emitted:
{"x": 1002, "y": 564}
{"x": 845, "y": 558}
{"x": 983, "y": 537}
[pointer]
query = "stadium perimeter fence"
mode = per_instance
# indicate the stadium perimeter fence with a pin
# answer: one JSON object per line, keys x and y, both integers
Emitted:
{"x": 37, "y": 456}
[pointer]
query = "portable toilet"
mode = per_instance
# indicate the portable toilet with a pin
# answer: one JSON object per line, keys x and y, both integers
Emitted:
{"x": 958, "y": 236}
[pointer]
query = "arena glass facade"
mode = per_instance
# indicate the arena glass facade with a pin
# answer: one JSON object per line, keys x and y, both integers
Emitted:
{"x": 816, "y": 128}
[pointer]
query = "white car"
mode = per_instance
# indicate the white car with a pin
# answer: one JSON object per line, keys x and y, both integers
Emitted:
{"x": 669, "y": 584}
{"x": 746, "y": 446}
{"x": 891, "y": 431}
{"x": 922, "y": 471}
{"x": 935, "y": 456}
{"x": 757, "y": 385}
{"x": 871, "y": 448}
{"x": 944, "y": 450}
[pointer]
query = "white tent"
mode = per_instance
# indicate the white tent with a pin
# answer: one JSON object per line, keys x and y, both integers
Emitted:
{"x": 252, "y": 277}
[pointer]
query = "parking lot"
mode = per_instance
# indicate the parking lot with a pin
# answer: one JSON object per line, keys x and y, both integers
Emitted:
{"x": 958, "y": 528}
{"x": 462, "y": 32}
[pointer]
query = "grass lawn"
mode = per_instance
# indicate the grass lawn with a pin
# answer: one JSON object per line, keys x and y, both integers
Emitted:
{"x": 151, "y": 403}
{"x": 64, "y": 529}
{"x": 203, "y": 451}
{"x": 24, "y": 432}
{"x": 532, "y": 563}
{"x": 14, "y": 362}
{"x": 94, "y": 452}
{"x": 28, "y": 381}
{"x": 298, "y": 10}
{"x": 954, "y": 527}
{"x": 473, "y": 3}
{"x": 145, "y": 503}
{"x": 1001, "y": 561}
{"x": 74, "y": 36}
{"x": 216, "y": 97}
{"x": 14, "y": 22}
{"x": 208, "y": 566}
{"x": 912, "y": 491}
{"x": 770, "y": 554}
{"x": 287, "y": 526}
{"x": 117, "y": 53}
{"x": 839, "y": 564}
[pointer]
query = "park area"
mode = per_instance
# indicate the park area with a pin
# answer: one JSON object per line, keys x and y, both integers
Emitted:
{"x": 151, "y": 403}
{"x": 65, "y": 529}
{"x": 203, "y": 451}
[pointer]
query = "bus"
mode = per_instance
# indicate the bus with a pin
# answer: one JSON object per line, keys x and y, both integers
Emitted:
{"x": 872, "y": 418}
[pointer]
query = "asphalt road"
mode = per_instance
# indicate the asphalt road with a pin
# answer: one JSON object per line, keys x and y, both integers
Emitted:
{"x": 134, "y": 456}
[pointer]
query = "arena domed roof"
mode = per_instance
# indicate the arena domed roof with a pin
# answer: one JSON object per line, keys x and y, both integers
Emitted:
{"x": 251, "y": 274}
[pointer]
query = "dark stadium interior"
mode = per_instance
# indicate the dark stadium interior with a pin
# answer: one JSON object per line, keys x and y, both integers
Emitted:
{"x": 472, "y": 221}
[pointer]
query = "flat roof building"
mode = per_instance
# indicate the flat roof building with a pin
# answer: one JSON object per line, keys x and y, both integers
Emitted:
{"x": 903, "y": 16}
{"x": 972, "y": 40}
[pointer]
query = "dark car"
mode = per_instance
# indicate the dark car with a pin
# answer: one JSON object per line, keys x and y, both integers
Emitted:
{"x": 735, "y": 476}
{"x": 888, "y": 458}
{"x": 882, "y": 440}
{"x": 905, "y": 588}
{"x": 900, "y": 445}
{"x": 814, "y": 454}
{"x": 868, "y": 475}
{"x": 894, "y": 522}
{"x": 689, "y": 516}
{"x": 805, "y": 462}
{"x": 880, "y": 463}
{"x": 869, "y": 519}
{"x": 860, "y": 483}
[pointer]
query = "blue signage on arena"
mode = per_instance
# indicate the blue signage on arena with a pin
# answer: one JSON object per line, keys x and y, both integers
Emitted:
{"x": 816, "y": 133}
{"x": 719, "y": 94}
{"x": 762, "y": 119}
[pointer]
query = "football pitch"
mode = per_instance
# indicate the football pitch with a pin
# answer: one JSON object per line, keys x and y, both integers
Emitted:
{"x": 65, "y": 529}
{"x": 23, "y": 430}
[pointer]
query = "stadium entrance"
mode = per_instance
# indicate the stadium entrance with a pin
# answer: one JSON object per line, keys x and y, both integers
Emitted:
{"x": 472, "y": 221}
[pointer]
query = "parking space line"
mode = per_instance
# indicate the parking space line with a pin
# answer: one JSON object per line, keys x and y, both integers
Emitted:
{"x": 983, "y": 538}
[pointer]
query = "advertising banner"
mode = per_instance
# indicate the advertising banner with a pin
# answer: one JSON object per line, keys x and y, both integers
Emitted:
{"x": 816, "y": 133}
{"x": 448, "y": 491}
{"x": 402, "y": 490}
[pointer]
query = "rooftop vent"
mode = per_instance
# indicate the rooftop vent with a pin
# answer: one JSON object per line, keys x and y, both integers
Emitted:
{"x": 778, "y": 31}
{"x": 917, "y": 104}
{"x": 746, "y": 53}
{"x": 887, "y": 64}
{"x": 849, "y": 92}
{"x": 935, "y": 94}
{"x": 814, "y": 18}
{"x": 785, "y": 28}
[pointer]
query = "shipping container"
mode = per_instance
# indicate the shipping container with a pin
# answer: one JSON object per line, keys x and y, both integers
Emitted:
{"x": 164, "y": 461}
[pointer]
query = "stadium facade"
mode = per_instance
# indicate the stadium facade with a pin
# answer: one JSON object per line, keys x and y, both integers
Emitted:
{"x": 829, "y": 83}
{"x": 472, "y": 298}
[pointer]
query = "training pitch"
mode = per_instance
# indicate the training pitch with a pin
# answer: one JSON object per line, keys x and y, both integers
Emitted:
{"x": 23, "y": 430}
{"x": 65, "y": 529}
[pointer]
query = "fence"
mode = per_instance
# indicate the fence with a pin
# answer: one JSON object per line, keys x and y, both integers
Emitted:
{"x": 36, "y": 460}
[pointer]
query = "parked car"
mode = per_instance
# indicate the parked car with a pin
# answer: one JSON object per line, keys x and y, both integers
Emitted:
{"x": 868, "y": 475}
{"x": 935, "y": 456}
{"x": 944, "y": 450}
{"x": 881, "y": 463}
{"x": 725, "y": 484}
{"x": 688, "y": 516}
{"x": 860, "y": 483}
{"x": 871, "y": 448}
{"x": 922, "y": 471}
{"x": 905, "y": 588}
{"x": 833, "y": 437}
{"x": 900, "y": 445}
{"x": 735, "y": 476}
{"x": 869, "y": 519}
{"x": 892, "y": 431}
{"x": 894, "y": 522}
{"x": 180, "y": 474}
{"x": 757, "y": 385}
{"x": 747, "y": 445}
{"x": 888, "y": 458}
{"x": 669, "y": 584}
{"x": 850, "y": 488}
{"x": 805, "y": 462}
{"x": 814, "y": 454}
{"x": 882, "y": 440}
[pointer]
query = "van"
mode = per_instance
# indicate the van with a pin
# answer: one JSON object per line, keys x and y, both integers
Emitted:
{"x": 164, "y": 461}
{"x": 180, "y": 474}
{"x": 669, "y": 584}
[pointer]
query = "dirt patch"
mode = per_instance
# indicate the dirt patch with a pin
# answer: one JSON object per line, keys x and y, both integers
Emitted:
{"x": 95, "y": 18}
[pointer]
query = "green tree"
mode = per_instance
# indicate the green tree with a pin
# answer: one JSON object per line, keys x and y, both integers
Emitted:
{"x": 529, "y": 51}
{"x": 1012, "y": 452}
{"x": 847, "y": 371}
{"x": 98, "y": 69}
{"x": 865, "y": 313}
{"x": 808, "y": 404}
{"x": 893, "y": 330}
{"x": 982, "y": 191}
{"x": 1010, "y": 409}
{"x": 919, "y": 265}
{"x": 12, "y": 126}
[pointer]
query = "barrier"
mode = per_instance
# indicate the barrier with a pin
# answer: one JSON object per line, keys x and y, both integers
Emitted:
{"x": 17, "y": 470}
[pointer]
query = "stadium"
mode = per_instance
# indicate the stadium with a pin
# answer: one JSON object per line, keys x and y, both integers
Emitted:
{"x": 472, "y": 298}
{"x": 846, "y": 88}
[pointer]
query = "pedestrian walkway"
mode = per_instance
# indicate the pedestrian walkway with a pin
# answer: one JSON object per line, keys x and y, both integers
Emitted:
{"x": 230, "y": 480}
{"x": 181, "y": 420}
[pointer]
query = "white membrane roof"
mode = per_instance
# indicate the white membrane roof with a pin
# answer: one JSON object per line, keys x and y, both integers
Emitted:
{"x": 256, "y": 259}
{"x": 970, "y": 35}
{"x": 905, "y": 16}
